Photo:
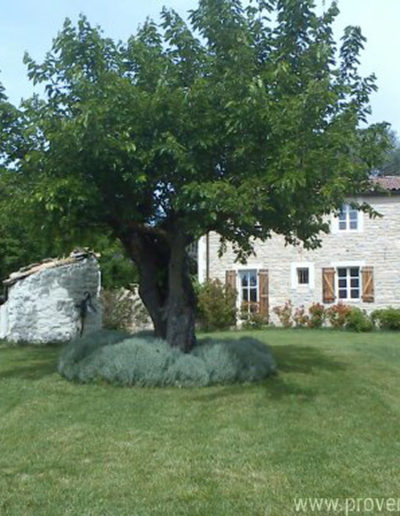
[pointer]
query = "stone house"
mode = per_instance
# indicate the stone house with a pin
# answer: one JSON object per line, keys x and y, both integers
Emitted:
{"x": 357, "y": 264}
{"x": 52, "y": 301}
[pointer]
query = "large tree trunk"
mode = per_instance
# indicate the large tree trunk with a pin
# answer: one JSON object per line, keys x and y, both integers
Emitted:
{"x": 165, "y": 287}
{"x": 152, "y": 260}
{"x": 150, "y": 293}
{"x": 181, "y": 302}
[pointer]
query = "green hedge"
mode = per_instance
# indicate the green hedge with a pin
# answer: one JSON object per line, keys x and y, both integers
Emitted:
{"x": 387, "y": 318}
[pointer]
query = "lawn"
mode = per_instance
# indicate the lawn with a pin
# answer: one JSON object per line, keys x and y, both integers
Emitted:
{"x": 328, "y": 425}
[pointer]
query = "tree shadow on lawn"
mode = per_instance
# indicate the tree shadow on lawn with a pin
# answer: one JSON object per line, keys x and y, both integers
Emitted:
{"x": 298, "y": 359}
{"x": 289, "y": 359}
{"x": 28, "y": 364}
{"x": 303, "y": 359}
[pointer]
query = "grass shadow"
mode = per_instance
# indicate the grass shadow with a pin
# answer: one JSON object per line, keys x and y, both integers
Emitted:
{"x": 278, "y": 388}
{"x": 304, "y": 359}
{"x": 290, "y": 359}
{"x": 28, "y": 364}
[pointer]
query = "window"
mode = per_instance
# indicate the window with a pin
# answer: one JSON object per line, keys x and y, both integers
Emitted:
{"x": 348, "y": 218}
{"x": 303, "y": 275}
{"x": 249, "y": 290}
{"x": 348, "y": 283}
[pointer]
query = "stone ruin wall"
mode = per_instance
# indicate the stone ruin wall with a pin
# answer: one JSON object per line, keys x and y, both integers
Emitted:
{"x": 43, "y": 307}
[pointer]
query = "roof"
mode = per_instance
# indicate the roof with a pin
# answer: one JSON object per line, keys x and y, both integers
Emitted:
{"x": 391, "y": 183}
{"x": 76, "y": 256}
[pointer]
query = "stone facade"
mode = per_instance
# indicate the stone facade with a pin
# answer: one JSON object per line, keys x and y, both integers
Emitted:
{"x": 375, "y": 243}
{"x": 43, "y": 301}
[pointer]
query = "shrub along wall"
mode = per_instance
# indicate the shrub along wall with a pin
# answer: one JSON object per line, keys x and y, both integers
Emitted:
{"x": 339, "y": 316}
{"x": 217, "y": 311}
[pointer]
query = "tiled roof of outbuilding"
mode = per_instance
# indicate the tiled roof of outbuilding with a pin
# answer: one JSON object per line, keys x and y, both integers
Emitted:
{"x": 49, "y": 263}
{"x": 391, "y": 183}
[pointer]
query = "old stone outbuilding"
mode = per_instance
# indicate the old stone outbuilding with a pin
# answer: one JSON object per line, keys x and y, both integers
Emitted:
{"x": 52, "y": 301}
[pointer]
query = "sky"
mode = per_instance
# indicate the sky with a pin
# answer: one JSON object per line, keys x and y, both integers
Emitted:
{"x": 31, "y": 25}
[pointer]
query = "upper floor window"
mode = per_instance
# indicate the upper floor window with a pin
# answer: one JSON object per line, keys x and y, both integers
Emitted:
{"x": 348, "y": 218}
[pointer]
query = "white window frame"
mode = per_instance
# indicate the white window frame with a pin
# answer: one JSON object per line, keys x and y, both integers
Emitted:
{"x": 348, "y": 265}
{"x": 239, "y": 274}
{"x": 294, "y": 277}
{"x": 348, "y": 278}
{"x": 201, "y": 259}
{"x": 335, "y": 228}
{"x": 246, "y": 268}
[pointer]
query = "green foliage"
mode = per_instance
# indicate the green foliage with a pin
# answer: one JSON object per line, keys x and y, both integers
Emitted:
{"x": 219, "y": 124}
{"x": 17, "y": 246}
{"x": 337, "y": 315}
{"x": 358, "y": 320}
{"x": 284, "y": 314}
{"x": 317, "y": 315}
{"x": 23, "y": 242}
{"x": 147, "y": 361}
{"x": 11, "y": 138}
{"x": 216, "y": 305}
{"x": 387, "y": 318}
{"x": 117, "y": 269}
{"x": 391, "y": 160}
{"x": 253, "y": 320}
{"x": 184, "y": 122}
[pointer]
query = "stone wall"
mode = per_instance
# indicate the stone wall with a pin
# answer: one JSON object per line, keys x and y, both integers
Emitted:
{"x": 376, "y": 244}
{"x": 124, "y": 309}
{"x": 43, "y": 307}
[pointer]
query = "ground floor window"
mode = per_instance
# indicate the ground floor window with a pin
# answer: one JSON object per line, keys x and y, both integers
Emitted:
{"x": 249, "y": 290}
{"x": 303, "y": 275}
{"x": 348, "y": 283}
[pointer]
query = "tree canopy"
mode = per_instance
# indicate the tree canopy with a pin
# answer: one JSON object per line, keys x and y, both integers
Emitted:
{"x": 244, "y": 120}
{"x": 391, "y": 161}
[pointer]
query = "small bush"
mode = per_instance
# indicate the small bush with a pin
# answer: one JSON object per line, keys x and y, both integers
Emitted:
{"x": 284, "y": 314}
{"x": 387, "y": 318}
{"x": 146, "y": 361}
{"x": 317, "y": 315}
{"x": 337, "y": 315}
{"x": 216, "y": 306}
{"x": 300, "y": 318}
{"x": 358, "y": 320}
{"x": 253, "y": 320}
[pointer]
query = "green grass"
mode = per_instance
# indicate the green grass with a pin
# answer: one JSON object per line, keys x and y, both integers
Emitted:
{"x": 327, "y": 425}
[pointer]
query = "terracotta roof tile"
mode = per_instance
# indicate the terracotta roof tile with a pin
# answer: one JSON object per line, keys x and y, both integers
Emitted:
{"x": 49, "y": 263}
{"x": 391, "y": 183}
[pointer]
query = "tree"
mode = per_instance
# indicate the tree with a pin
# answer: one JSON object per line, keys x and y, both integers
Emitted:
{"x": 22, "y": 239}
{"x": 230, "y": 123}
{"x": 391, "y": 163}
{"x": 15, "y": 243}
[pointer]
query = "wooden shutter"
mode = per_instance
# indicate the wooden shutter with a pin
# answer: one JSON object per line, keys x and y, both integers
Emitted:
{"x": 230, "y": 279}
{"x": 328, "y": 285}
{"x": 367, "y": 284}
{"x": 263, "y": 293}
